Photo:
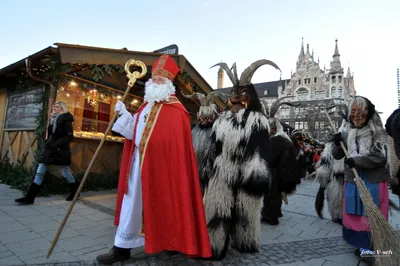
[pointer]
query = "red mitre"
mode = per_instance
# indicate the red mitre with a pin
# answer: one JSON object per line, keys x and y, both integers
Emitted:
{"x": 166, "y": 67}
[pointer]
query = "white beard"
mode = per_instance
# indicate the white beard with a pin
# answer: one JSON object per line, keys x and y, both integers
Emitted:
{"x": 154, "y": 92}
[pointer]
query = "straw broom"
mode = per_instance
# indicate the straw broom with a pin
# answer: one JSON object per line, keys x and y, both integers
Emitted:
{"x": 383, "y": 235}
{"x": 132, "y": 80}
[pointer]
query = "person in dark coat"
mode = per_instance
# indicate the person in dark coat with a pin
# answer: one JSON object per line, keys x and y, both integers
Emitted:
{"x": 283, "y": 170}
{"x": 56, "y": 154}
{"x": 393, "y": 129}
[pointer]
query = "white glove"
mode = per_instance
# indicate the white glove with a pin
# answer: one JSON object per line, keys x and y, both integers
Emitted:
{"x": 120, "y": 108}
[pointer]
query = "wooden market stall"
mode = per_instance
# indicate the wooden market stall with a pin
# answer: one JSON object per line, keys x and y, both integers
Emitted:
{"x": 90, "y": 80}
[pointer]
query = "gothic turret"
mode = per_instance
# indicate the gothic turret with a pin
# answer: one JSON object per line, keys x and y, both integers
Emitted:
{"x": 336, "y": 67}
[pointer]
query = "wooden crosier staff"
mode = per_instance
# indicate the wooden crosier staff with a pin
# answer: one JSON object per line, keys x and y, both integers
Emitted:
{"x": 383, "y": 235}
{"x": 132, "y": 80}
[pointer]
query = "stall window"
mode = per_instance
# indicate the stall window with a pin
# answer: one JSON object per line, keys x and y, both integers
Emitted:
{"x": 92, "y": 106}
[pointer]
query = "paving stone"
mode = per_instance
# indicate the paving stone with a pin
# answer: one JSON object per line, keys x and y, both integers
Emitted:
{"x": 81, "y": 224}
{"x": 99, "y": 217}
{"x": 58, "y": 257}
{"x": 49, "y": 210}
{"x": 98, "y": 231}
{"x": 90, "y": 251}
{"x": 17, "y": 236}
{"x": 44, "y": 226}
{"x": 66, "y": 233}
{"x": 71, "y": 218}
{"x": 76, "y": 243}
{"x": 11, "y": 260}
{"x": 11, "y": 226}
{"x": 4, "y": 254}
{"x": 5, "y": 218}
{"x": 33, "y": 219}
{"x": 30, "y": 249}
{"x": 23, "y": 212}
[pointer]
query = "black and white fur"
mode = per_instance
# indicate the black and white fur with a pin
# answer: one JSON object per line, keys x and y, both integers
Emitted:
{"x": 236, "y": 175}
{"x": 330, "y": 175}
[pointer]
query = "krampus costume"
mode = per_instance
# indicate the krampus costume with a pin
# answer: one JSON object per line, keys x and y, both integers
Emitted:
{"x": 330, "y": 175}
{"x": 201, "y": 133}
{"x": 282, "y": 166}
{"x": 235, "y": 171}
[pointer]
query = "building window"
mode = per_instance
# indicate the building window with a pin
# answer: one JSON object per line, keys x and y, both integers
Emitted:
{"x": 307, "y": 80}
{"x": 299, "y": 81}
{"x": 340, "y": 79}
{"x": 296, "y": 125}
{"x": 305, "y": 125}
{"x": 333, "y": 79}
{"x": 316, "y": 124}
{"x": 300, "y": 125}
{"x": 302, "y": 94}
{"x": 315, "y": 80}
{"x": 265, "y": 92}
{"x": 333, "y": 92}
{"x": 339, "y": 92}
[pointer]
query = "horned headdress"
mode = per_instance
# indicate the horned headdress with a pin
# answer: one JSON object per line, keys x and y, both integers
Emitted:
{"x": 247, "y": 74}
{"x": 207, "y": 106}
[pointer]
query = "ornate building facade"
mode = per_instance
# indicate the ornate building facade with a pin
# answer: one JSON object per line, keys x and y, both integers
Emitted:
{"x": 312, "y": 88}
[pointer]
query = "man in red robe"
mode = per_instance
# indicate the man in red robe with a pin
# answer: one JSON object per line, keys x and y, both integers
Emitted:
{"x": 159, "y": 202}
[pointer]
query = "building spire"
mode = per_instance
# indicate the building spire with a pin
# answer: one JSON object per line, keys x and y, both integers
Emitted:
{"x": 302, "y": 48}
{"x": 336, "y": 66}
{"x": 336, "y": 53}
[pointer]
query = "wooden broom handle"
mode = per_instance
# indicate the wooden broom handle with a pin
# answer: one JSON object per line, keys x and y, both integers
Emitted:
{"x": 132, "y": 80}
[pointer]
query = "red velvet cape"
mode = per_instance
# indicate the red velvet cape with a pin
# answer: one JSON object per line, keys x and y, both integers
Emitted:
{"x": 174, "y": 217}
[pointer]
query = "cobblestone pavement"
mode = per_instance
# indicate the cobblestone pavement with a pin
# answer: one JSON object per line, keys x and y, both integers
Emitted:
{"x": 301, "y": 238}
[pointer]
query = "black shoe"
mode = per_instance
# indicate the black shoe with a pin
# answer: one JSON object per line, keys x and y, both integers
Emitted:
{"x": 357, "y": 252}
{"x": 116, "y": 254}
{"x": 30, "y": 195}
{"x": 171, "y": 253}
{"x": 270, "y": 221}
{"x": 337, "y": 220}
{"x": 73, "y": 187}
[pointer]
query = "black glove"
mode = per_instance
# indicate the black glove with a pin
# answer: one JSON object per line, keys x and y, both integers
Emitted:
{"x": 337, "y": 138}
{"x": 350, "y": 162}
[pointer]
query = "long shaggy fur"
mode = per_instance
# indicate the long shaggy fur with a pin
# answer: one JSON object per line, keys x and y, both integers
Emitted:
{"x": 236, "y": 175}
{"x": 330, "y": 175}
{"x": 201, "y": 141}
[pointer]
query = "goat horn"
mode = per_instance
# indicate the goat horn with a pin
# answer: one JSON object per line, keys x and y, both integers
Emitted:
{"x": 278, "y": 103}
{"x": 212, "y": 94}
{"x": 228, "y": 72}
{"x": 199, "y": 96}
{"x": 248, "y": 73}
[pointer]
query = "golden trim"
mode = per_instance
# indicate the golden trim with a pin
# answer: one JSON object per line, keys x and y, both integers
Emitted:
{"x": 148, "y": 130}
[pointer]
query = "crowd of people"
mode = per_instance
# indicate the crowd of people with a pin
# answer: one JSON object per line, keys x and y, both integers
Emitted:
{"x": 200, "y": 190}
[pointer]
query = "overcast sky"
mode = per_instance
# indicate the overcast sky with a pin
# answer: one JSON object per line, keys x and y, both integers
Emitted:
{"x": 208, "y": 32}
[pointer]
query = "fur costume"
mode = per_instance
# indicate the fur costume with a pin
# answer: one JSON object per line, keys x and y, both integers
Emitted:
{"x": 283, "y": 170}
{"x": 235, "y": 171}
{"x": 201, "y": 132}
{"x": 330, "y": 175}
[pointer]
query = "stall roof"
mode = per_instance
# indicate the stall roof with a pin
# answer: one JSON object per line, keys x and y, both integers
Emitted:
{"x": 79, "y": 54}
{"x": 19, "y": 65}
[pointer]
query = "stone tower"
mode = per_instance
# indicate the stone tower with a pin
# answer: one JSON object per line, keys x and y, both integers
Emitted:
{"x": 220, "y": 83}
